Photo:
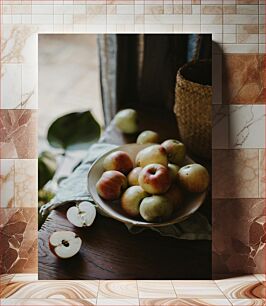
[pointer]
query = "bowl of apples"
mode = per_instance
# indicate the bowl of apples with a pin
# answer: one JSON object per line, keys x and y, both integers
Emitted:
{"x": 148, "y": 185}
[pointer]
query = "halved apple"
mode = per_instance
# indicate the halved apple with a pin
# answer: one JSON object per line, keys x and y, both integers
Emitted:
{"x": 65, "y": 244}
{"x": 82, "y": 214}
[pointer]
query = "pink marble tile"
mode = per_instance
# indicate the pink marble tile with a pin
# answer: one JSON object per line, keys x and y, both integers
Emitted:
{"x": 18, "y": 233}
{"x": 18, "y": 130}
{"x": 239, "y": 236}
{"x": 235, "y": 173}
{"x": 243, "y": 79}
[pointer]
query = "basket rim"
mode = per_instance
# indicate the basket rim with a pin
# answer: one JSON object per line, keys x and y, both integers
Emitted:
{"x": 181, "y": 77}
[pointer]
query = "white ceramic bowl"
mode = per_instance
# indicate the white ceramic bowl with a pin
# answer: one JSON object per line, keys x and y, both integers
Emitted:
{"x": 113, "y": 208}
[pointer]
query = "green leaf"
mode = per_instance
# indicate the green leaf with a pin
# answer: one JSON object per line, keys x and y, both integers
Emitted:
{"x": 74, "y": 131}
{"x": 46, "y": 168}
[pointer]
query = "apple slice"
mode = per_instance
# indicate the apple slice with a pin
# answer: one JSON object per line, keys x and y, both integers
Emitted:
{"x": 64, "y": 244}
{"x": 82, "y": 214}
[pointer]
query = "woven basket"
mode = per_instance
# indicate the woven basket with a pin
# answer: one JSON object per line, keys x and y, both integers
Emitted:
{"x": 193, "y": 100}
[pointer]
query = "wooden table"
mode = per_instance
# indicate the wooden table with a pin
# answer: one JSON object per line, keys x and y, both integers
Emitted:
{"x": 109, "y": 251}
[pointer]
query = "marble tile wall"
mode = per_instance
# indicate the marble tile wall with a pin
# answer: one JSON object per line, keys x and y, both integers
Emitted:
{"x": 18, "y": 179}
{"x": 238, "y": 29}
{"x": 18, "y": 251}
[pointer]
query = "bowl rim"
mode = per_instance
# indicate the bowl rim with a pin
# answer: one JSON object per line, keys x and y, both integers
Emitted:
{"x": 109, "y": 211}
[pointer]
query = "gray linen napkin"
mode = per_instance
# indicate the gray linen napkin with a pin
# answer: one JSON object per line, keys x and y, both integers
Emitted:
{"x": 74, "y": 189}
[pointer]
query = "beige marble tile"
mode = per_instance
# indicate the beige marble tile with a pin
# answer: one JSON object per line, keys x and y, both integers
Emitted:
{"x": 25, "y": 277}
{"x": 155, "y": 289}
{"x": 7, "y": 183}
{"x": 240, "y": 49}
{"x": 247, "y": 9}
{"x": 10, "y": 86}
{"x": 117, "y": 302}
{"x": 29, "y": 87}
{"x": 18, "y": 44}
{"x": 197, "y": 289}
{"x": 118, "y": 289}
{"x": 247, "y": 126}
{"x": 238, "y": 173}
{"x": 260, "y": 277}
{"x": 26, "y": 183}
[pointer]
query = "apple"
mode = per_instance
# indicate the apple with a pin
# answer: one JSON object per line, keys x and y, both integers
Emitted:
{"x": 173, "y": 171}
{"x": 154, "y": 154}
{"x": 175, "y": 150}
{"x": 194, "y": 178}
{"x": 156, "y": 208}
{"x": 131, "y": 200}
{"x": 175, "y": 196}
{"x": 133, "y": 176}
{"x": 126, "y": 121}
{"x": 111, "y": 185}
{"x": 119, "y": 161}
{"x": 148, "y": 137}
{"x": 154, "y": 179}
{"x": 64, "y": 244}
{"x": 83, "y": 214}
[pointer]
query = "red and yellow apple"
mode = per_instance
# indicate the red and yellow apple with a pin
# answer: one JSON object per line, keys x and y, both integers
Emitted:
{"x": 111, "y": 184}
{"x": 131, "y": 200}
{"x": 194, "y": 178}
{"x": 154, "y": 154}
{"x": 148, "y": 137}
{"x": 154, "y": 179}
{"x": 175, "y": 150}
{"x": 119, "y": 161}
{"x": 156, "y": 208}
{"x": 133, "y": 176}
